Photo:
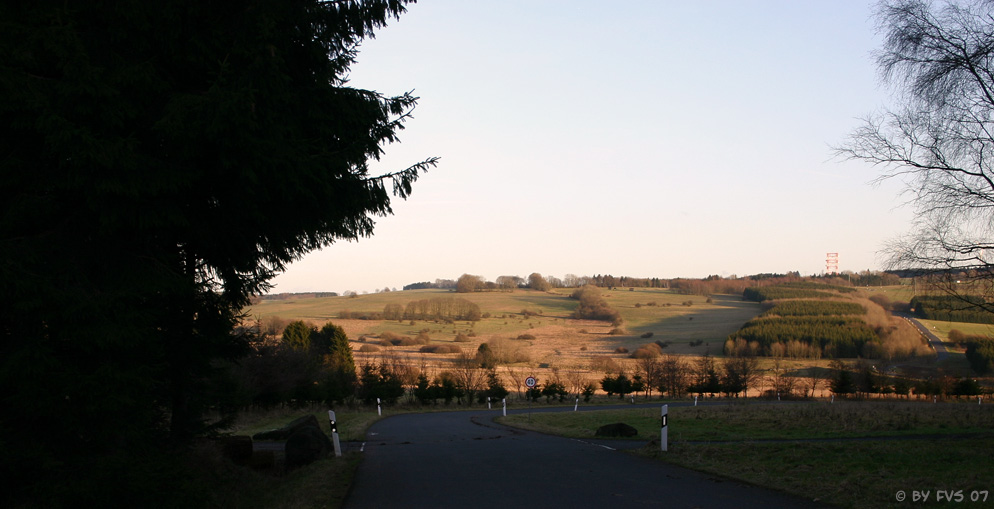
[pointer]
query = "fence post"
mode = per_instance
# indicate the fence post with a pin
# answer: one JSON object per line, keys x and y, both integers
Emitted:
{"x": 663, "y": 430}
{"x": 334, "y": 432}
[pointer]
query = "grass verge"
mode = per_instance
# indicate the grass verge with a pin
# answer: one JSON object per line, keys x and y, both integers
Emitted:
{"x": 825, "y": 463}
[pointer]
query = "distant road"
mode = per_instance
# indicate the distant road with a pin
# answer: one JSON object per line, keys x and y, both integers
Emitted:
{"x": 464, "y": 459}
{"x": 940, "y": 348}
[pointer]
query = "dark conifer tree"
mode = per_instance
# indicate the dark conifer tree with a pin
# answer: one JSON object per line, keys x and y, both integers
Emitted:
{"x": 160, "y": 163}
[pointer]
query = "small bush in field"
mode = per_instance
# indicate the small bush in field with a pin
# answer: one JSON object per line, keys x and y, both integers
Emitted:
{"x": 621, "y": 349}
{"x": 461, "y": 338}
{"x": 618, "y": 331}
{"x": 526, "y": 336}
{"x": 604, "y": 364}
{"x": 369, "y": 348}
{"x": 409, "y": 341}
{"x": 440, "y": 349}
{"x": 583, "y": 348}
{"x": 647, "y": 335}
{"x": 649, "y": 351}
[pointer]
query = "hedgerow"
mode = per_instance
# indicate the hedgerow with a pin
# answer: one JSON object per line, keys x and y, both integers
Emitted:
{"x": 815, "y": 308}
{"x": 836, "y": 336}
{"x": 952, "y": 308}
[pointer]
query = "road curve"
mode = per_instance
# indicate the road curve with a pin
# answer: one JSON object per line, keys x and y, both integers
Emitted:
{"x": 941, "y": 352}
{"x": 464, "y": 459}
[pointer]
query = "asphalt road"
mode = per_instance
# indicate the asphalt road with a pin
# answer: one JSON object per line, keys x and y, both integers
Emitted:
{"x": 464, "y": 459}
{"x": 940, "y": 348}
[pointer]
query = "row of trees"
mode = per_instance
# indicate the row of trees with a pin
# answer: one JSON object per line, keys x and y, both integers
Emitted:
{"x": 834, "y": 336}
{"x": 468, "y": 283}
{"x": 707, "y": 286}
{"x": 952, "y": 308}
{"x": 305, "y": 364}
{"x": 815, "y": 308}
{"x": 435, "y": 308}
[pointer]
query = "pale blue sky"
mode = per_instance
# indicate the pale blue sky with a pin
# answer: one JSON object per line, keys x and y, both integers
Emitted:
{"x": 645, "y": 138}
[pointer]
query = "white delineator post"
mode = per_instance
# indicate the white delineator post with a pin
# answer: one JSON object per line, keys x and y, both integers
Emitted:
{"x": 378, "y": 410}
{"x": 504, "y": 401}
{"x": 334, "y": 432}
{"x": 488, "y": 403}
{"x": 663, "y": 430}
{"x": 576, "y": 404}
{"x": 695, "y": 400}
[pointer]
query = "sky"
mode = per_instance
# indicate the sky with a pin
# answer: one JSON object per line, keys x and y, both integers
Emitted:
{"x": 646, "y": 138}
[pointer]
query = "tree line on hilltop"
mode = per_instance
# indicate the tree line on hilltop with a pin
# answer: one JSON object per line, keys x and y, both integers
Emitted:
{"x": 710, "y": 285}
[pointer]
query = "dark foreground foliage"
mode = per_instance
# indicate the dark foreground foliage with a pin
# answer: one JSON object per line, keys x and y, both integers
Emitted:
{"x": 161, "y": 161}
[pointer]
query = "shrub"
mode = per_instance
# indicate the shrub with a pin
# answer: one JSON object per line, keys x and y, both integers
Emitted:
{"x": 369, "y": 348}
{"x": 618, "y": 331}
{"x": 604, "y": 364}
{"x": 444, "y": 348}
{"x": 621, "y": 349}
{"x": 647, "y": 335}
{"x": 461, "y": 338}
{"x": 980, "y": 354}
{"x": 649, "y": 351}
{"x": 525, "y": 336}
{"x": 593, "y": 306}
{"x": 409, "y": 341}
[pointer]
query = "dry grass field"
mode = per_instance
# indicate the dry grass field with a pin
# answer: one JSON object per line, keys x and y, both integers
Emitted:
{"x": 552, "y": 341}
{"x": 559, "y": 341}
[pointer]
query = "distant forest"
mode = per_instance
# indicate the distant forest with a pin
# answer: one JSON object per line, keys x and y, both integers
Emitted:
{"x": 305, "y": 295}
{"x": 713, "y": 284}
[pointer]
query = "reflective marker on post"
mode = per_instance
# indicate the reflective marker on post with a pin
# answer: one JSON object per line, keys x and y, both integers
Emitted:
{"x": 378, "y": 411}
{"x": 334, "y": 432}
{"x": 488, "y": 403}
{"x": 577, "y": 404}
{"x": 504, "y": 401}
{"x": 663, "y": 432}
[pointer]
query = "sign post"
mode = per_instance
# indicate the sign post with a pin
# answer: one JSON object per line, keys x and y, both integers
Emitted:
{"x": 664, "y": 433}
{"x": 504, "y": 402}
{"x": 334, "y": 432}
{"x": 379, "y": 411}
{"x": 530, "y": 382}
